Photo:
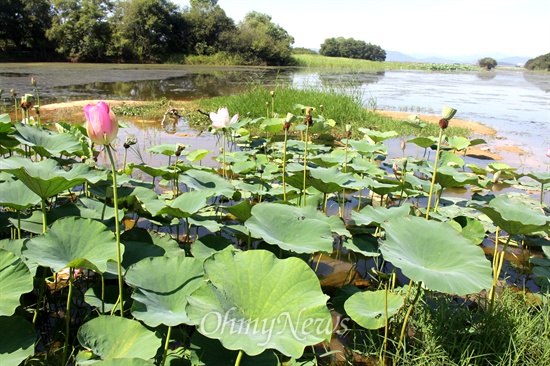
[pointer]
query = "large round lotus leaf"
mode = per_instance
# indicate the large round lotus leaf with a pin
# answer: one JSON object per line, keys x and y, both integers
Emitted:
{"x": 46, "y": 178}
{"x": 514, "y": 216}
{"x": 370, "y": 215}
{"x": 17, "y": 196}
{"x": 287, "y": 227}
{"x": 15, "y": 280}
{"x": 162, "y": 285}
{"x": 73, "y": 242}
{"x": 434, "y": 253}
{"x": 46, "y": 142}
{"x": 448, "y": 176}
{"x": 115, "y": 337}
{"x": 378, "y": 136}
{"x": 187, "y": 204}
{"x": 124, "y": 362}
{"x": 368, "y": 309}
{"x": 254, "y": 301}
{"x": 328, "y": 180}
{"x": 17, "y": 340}
{"x": 213, "y": 183}
{"x": 541, "y": 177}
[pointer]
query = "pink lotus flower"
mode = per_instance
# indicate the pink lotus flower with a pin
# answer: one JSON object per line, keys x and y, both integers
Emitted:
{"x": 101, "y": 125}
{"x": 221, "y": 119}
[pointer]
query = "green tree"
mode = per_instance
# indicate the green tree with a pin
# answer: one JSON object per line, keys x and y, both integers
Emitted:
{"x": 259, "y": 41}
{"x": 351, "y": 48}
{"x": 146, "y": 30}
{"x": 487, "y": 63}
{"x": 12, "y": 20}
{"x": 539, "y": 63}
{"x": 205, "y": 22}
{"x": 80, "y": 28}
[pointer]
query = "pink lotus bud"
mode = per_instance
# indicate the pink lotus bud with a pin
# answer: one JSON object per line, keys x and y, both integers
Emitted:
{"x": 101, "y": 125}
{"x": 221, "y": 119}
{"x": 403, "y": 144}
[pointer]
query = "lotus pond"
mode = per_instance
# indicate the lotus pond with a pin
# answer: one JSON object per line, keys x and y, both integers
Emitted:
{"x": 185, "y": 262}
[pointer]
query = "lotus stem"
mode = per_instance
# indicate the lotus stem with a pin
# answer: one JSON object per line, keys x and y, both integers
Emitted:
{"x": 117, "y": 233}
{"x": 284, "y": 164}
{"x": 15, "y": 107}
{"x": 305, "y": 163}
{"x": 541, "y": 193}
{"x": 496, "y": 270}
{"x": 407, "y": 315}
{"x": 68, "y": 316}
{"x": 37, "y": 107}
{"x": 434, "y": 174}
{"x": 385, "y": 346}
{"x": 223, "y": 156}
{"x": 239, "y": 357}
{"x": 165, "y": 353}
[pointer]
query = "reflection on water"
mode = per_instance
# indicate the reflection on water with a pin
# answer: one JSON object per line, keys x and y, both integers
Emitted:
{"x": 515, "y": 103}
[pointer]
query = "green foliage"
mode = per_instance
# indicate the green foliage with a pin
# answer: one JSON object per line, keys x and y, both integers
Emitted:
{"x": 487, "y": 63}
{"x": 145, "y": 30}
{"x": 351, "y": 48}
{"x": 260, "y": 41}
{"x": 303, "y": 51}
{"x": 80, "y": 28}
{"x": 539, "y": 63}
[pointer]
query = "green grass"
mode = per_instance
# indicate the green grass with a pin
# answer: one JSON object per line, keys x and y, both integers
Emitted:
{"x": 337, "y": 105}
{"x": 443, "y": 332}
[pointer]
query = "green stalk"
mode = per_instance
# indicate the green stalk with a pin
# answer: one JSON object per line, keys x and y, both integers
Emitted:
{"x": 43, "y": 282}
{"x": 68, "y": 316}
{"x": 541, "y": 193}
{"x": 239, "y": 357}
{"x": 223, "y": 168}
{"x": 284, "y": 164}
{"x": 37, "y": 107}
{"x": 166, "y": 345}
{"x": 407, "y": 315}
{"x": 117, "y": 232}
{"x": 385, "y": 346}
{"x": 15, "y": 107}
{"x": 305, "y": 163}
{"x": 434, "y": 173}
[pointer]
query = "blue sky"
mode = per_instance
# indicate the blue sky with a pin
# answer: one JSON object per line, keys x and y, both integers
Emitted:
{"x": 415, "y": 27}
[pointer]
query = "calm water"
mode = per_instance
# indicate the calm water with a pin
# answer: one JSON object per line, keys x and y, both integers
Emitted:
{"x": 515, "y": 103}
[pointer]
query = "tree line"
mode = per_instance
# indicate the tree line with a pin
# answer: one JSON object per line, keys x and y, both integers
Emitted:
{"x": 150, "y": 31}
{"x": 138, "y": 31}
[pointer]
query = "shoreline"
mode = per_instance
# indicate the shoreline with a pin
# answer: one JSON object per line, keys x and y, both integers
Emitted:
{"x": 491, "y": 152}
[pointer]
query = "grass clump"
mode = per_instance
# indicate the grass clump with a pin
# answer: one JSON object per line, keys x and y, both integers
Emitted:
{"x": 344, "y": 107}
{"x": 447, "y": 331}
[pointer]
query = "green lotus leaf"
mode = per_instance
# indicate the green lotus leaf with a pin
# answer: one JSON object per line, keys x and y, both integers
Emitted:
{"x": 213, "y": 183}
{"x": 15, "y": 247}
{"x": 447, "y": 158}
{"x": 472, "y": 229}
{"x": 197, "y": 155}
{"x": 15, "y": 280}
{"x": 514, "y": 216}
{"x": 46, "y": 178}
{"x": 166, "y": 172}
{"x": 160, "y": 295}
{"x": 378, "y": 136}
{"x": 207, "y": 351}
{"x": 541, "y": 177}
{"x": 382, "y": 186}
{"x": 124, "y": 362}
{"x": 242, "y": 211}
{"x": 187, "y": 204}
{"x": 476, "y": 169}
{"x": 73, "y": 242}
{"x": 254, "y": 301}
{"x": 365, "y": 147}
{"x": 43, "y": 140}
{"x": 447, "y": 177}
{"x": 140, "y": 244}
{"x": 363, "y": 244}
{"x": 368, "y": 309}
{"x": 458, "y": 143}
{"x": 166, "y": 149}
{"x": 289, "y": 228}
{"x": 370, "y": 215}
{"x": 209, "y": 244}
{"x": 243, "y": 167}
{"x": 437, "y": 255}
{"x": 17, "y": 195}
{"x": 272, "y": 125}
{"x": 114, "y": 337}
{"x": 16, "y": 340}
{"x": 361, "y": 165}
{"x": 424, "y": 142}
{"x": 328, "y": 180}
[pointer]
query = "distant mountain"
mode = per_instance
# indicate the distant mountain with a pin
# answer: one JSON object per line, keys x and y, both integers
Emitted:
{"x": 469, "y": 59}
